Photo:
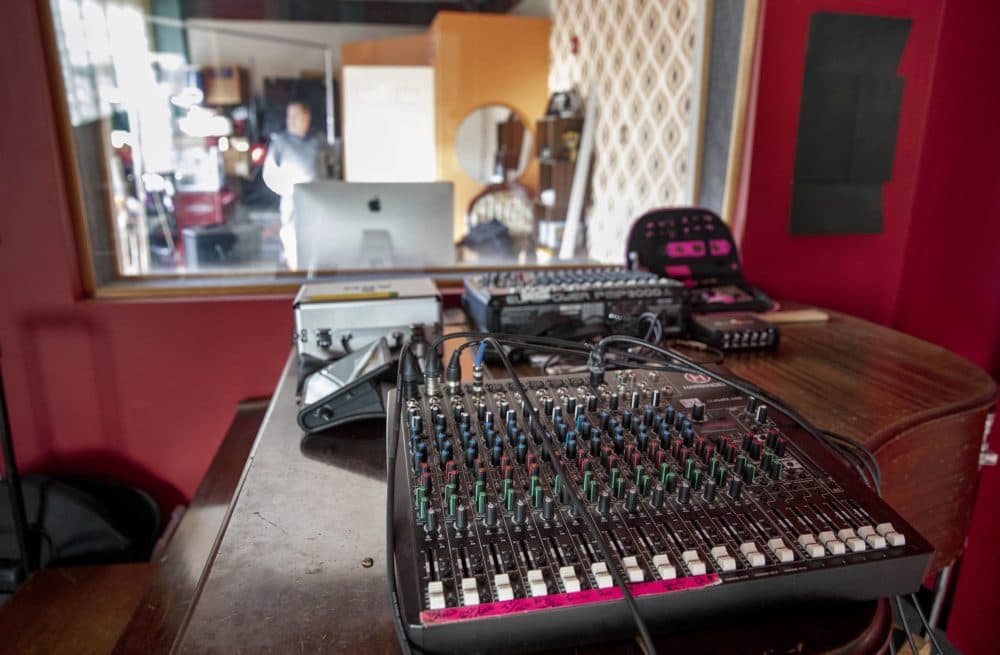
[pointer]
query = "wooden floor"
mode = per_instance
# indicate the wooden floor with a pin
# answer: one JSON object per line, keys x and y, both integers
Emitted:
{"x": 87, "y": 610}
{"x": 79, "y": 610}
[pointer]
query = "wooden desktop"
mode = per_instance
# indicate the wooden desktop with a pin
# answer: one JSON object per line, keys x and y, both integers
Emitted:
{"x": 296, "y": 559}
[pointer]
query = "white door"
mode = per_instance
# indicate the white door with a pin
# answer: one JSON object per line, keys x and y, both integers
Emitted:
{"x": 389, "y": 124}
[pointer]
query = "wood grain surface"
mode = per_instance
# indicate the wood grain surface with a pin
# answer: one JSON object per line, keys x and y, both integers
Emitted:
{"x": 300, "y": 564}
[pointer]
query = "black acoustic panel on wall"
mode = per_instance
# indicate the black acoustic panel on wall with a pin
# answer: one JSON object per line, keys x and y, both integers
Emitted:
{"x": 848, "y": 118}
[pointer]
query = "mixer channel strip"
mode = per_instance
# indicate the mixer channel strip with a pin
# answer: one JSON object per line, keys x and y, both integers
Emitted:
{"x": 704, "y": 502}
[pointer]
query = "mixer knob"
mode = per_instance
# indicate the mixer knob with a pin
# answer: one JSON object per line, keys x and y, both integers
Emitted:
{"x": 688, "y": 436}
{"x": 642, "y": 441}
{"x": 634, "y": 401}
{"x": 679, "y": 419}
{"x": 470, "y": 455}
{"x": 491, "y": 515}
{"x": 432, "y": 521}
{"x": 779, "y": 446}
{"x": 709, "y": 491}
{"x": 556, "y": 414}
{"x": 520, "y": 512}
{"x": 684, "y": 492}
{"x": 548, "y": 508}
{"x": 571, "y": 404}
{"x": 735, "y": 487}
{"x": 495, "y": 455}
{"x": 755, "y": 449}
{"x": 461, "y": 518}
{"x": 698, "y": 412}
{"x": 613, "y": 402}
{"x": 761, "y": 415}
{"x": 605, "y": 419}
{"x": 522, "y": 451}
{"x": 655, "y": 398}
{"x": 571, "y": 449}
{"x": 657, "y": 500}
{"x": 604, "y": 503}
{"x": 648, "y": 414}
{"x": 631, "y": 500}
{"x": 595, "y": 446}
{"x": 547, "y": 406}
{"x": 627, "y": 419}
{"x": 751, "y": 404}
{"x": 772, "y": 438}
{"x": 619, "y": 443}
{"x": 669, "y": 414}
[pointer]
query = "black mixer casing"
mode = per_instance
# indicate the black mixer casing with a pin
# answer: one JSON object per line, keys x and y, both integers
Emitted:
{"x": 553, "y": 302}
{"x": 810, "y": 490}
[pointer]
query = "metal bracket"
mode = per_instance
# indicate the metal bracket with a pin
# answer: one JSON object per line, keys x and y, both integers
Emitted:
{"x": 986, "y": 455}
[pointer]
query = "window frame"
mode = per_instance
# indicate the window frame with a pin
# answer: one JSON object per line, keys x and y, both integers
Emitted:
{"x": 271, "y": 283}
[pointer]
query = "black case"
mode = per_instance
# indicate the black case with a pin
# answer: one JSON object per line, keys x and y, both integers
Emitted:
{"x": 695, "y": 246}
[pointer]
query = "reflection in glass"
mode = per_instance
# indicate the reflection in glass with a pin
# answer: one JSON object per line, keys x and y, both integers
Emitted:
{"x": 177, "y": 108}
{"x": 492, "y": 144}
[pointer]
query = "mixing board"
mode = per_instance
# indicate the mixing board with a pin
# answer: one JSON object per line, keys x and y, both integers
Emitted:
{"x": 548, "y": 302}
{"x": 709, "y": 502}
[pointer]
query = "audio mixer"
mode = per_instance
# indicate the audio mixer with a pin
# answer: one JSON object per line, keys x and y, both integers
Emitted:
{"x": 547, "y": 302}
{"x": 708, "y": 501}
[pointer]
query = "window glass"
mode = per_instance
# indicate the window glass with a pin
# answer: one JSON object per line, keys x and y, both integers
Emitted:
{"x": 257, "y": 138}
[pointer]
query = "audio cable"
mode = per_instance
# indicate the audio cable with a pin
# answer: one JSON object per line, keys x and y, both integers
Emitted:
{"x": 837, "y": 444}
{"x": 535, "y": 423}
{"x": 541, "y": 343}
{"x": 601, "y": 357}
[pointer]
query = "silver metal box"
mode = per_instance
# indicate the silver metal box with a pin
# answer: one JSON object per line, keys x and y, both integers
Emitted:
{"x": 334, "y": 318}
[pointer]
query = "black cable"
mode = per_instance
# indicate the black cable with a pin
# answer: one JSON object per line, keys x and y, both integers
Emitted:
{"x": 866, "y": 455}
{"x": 535, "y": 422}
{"x": 718, "y": 354}
{"x": 390, "y": 501}
{"x": 751, "y": 389}
{"x": 906, "y": 626}
{"x": 851, "y": 459}
{"x": 737, "y": 383}
{"x": 923, "y": 619}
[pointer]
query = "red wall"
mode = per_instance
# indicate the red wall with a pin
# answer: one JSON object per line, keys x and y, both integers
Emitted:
{"x": 934, "y": 271}
{"x": 951, "y": 278}
{"x": 819, "y": 269}
{"x": 143, "y": 391}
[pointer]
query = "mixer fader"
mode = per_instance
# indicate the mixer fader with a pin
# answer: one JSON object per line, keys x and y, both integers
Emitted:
{"x": 708, "y": 500}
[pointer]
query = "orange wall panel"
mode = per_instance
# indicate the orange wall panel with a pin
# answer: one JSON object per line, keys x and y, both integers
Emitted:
{"x": 481, "y": 60}
{"x": 399, "y": 51}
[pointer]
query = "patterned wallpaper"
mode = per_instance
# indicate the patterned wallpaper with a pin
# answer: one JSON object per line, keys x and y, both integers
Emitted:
{"x": 639, "y": 57}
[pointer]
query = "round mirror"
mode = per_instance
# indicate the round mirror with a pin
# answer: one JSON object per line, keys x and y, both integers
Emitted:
{"x": 492, "y": 144}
